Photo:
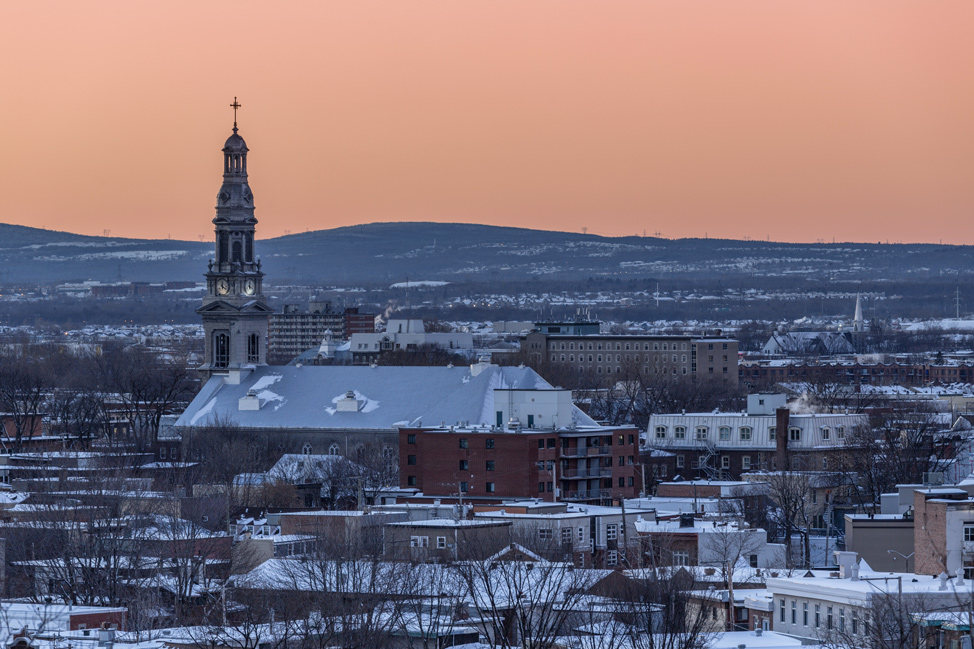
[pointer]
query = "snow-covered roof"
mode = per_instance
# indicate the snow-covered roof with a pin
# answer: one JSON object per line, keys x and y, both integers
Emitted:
{"x": 387, "y": 397}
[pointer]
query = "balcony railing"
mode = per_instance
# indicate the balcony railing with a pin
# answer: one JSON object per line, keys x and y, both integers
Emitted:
{"x": 591, "y": 494}
{"x": 598, "y": 472}
{"x": 586, "y": 451}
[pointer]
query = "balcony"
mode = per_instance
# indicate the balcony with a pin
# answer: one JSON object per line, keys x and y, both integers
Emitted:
{"x": 596, "y": 472}
{"x": 592, "y": 494}
{"x": 586, "y": 451}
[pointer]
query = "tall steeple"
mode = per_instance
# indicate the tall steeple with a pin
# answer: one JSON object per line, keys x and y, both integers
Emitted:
{"x": 235, "y": 315}
{"x": 858, "y": 324}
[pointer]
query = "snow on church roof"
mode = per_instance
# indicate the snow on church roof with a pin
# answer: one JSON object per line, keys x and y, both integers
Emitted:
{"x": 308, "y": 397}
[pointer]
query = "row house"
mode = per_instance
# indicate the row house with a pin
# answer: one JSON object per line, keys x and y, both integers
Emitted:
{"x": 756, "y": 373}
{"x": 767, "y": 436}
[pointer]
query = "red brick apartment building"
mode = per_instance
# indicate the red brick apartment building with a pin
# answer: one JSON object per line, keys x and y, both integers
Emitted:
{"x": 598, "y": 465}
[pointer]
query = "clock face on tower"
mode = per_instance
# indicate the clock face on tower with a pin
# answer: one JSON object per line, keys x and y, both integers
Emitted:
{"x": 222, "y": 286}
{"x": 250, "y": 286}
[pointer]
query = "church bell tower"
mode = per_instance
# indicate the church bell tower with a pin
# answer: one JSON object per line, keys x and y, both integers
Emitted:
{"x": 235, "y": 315}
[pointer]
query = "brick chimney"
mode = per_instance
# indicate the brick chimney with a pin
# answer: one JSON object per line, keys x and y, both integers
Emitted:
{"x": 782, "y": 416}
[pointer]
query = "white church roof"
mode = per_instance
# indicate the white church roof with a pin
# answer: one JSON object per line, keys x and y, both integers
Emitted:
{"x": 385, "y": 397}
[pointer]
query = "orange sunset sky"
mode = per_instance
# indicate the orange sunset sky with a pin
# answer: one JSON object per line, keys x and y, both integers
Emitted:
{"x": 796, "y": 120}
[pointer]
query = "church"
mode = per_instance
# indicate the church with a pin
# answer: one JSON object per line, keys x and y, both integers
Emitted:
{"x": 333, "y": 410}
{"x": 235, "y": 315}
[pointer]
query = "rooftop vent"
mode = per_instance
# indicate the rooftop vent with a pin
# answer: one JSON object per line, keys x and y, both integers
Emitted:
{"x": 348, "y": 403}
{"x": 249, "y": 402}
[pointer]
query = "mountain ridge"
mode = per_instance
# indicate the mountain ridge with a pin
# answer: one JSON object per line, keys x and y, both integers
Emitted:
{"x": 377, "y": 252}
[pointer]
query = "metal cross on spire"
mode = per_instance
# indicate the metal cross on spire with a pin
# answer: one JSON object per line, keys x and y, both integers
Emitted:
{"x": 235, "y": 105}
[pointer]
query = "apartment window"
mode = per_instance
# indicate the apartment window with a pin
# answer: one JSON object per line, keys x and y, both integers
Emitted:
{"x": 724, "y": 433}
{"x": 840, "y": 432}
{"x": 968, "y": 533}
{"x": 551, "y": 487}
{"x": 805, "y": 613}
{"x": 794, "y": 612}
{"x": 551, "y": 442}
{"x": 828, "y": 617}
{"x": 701, "y": 432}
{"x": 725, "y": 462}
{"x": 622, "y": 481}
{"x": 411, "y": 460}
{"x": 771, "y": 433}
{"x": 162, "y": 453}
{"x": 411, "y": 438}
{"x": 855, "y": 622}
{"x": 440, "y": 542}
{"x": 581, "y": 534}
{"x": 612, "y": 558}
{"x": 489, "y": 442}
{"x": 745, "y": 433}
{"x": 826, "y": 433}
{"x": 464, "y": 487}
{"x": 464, "y": 465}
{"x": 463, "y": 442}
{"x": 490, "y": 487}
{"x": 795, "y": 434}
{"x": 489, "y": 465}
{"x": 841, "y": 620}
{"x": 746, "y": 463}
{"x": 679, "y": 432}
{"x": 566, "y": 535}
{"x": 540, "y": 487}
{"x": 612, "y": 532}
{"x": 540, "y": 443}
{"x": 752, "y": 560}
{"x": 782, "y": 603}
{"x": 680, "y": 461}
{"x": 544, "y": 533}
{"x": 419, "y": 541}
{"x": 632, "y": 481}
{"x": 818, "y": 615}
{"x": 681, "y": 557}
{"x": 622, "y": 460}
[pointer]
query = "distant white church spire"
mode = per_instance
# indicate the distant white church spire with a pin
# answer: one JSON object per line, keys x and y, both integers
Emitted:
{"x": 858, "y": 324}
